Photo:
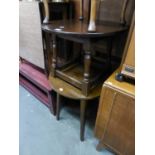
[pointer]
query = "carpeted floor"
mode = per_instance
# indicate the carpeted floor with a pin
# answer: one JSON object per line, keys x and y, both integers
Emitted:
{"x": 41, "y": 134}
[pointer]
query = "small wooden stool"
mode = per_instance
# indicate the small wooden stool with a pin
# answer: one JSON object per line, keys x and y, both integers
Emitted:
{"x": 69, "y": 91}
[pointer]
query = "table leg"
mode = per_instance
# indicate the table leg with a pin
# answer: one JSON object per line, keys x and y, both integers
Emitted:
{"x": 58, "y": 107}
{"x": 87, "y": 65}
{"x": 83, "y": 105}
{"x": 92, "y": 24}
{"x": 54, "y": 56}
{"x": 47, "y": 52}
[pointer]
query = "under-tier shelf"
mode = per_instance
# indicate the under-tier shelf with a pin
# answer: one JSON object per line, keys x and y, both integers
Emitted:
{"x": 74, "y": 74}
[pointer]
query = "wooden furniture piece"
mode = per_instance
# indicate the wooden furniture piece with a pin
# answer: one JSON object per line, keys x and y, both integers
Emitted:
{"x": 115, "y": 123}
{"x": 128, "y": 63}
{"x": 127, "y": 72}
{"x": 31, "y": 47}
{"x": 85, "y": 75}
{"x": 34, "y": 67}
{"x": 35, "y": 81}
{"x": 56, "y": 10}
{"x": 115, "y": 11}
{"x": 121, "y": 12}
{"x": 64, "y": 89}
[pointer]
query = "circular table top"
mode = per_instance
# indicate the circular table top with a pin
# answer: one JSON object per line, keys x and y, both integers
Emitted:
{"x": 80, "y": 28}
{"x": 69, "y": 91}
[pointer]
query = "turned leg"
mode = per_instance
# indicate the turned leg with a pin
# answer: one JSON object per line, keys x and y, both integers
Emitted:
{"x": 58, "y": 107}
{"x": 83, "y": 105}
{"x": 47, "y": 53}
{"x": 54, "y": 56}
{"x": 87, "y": 65}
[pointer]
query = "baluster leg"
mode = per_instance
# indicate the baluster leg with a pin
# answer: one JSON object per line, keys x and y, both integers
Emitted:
{"x": 87, "y": 65}
{"x": 54, "y": 57}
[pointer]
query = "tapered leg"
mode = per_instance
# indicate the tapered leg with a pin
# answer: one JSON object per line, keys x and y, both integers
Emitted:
{"x": 83, "y": 105}
{"x": 92, "y": 24}
{"x": 58, "y": 106}
{"x": 46, "y": 8}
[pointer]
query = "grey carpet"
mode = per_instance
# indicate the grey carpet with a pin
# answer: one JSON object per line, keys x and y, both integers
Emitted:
{"x": 41, "y": 134}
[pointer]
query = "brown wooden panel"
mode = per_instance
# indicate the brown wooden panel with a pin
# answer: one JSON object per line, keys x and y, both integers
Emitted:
{"x": 103, "y": 7}
{"x": 112, "y": 10}
{"x": 119, "y": 133}
{"x": 103, "y": 113}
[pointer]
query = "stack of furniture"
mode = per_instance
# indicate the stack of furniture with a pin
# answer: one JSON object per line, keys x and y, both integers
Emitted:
{"x": 115, "y": 123}
{"x": 81, "y": 76}
{"x": 34, "y": 65}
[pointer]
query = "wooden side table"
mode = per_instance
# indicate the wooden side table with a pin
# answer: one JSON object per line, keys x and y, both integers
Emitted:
{"x": 64, "y": 89}
{"x": 88, "y": 75}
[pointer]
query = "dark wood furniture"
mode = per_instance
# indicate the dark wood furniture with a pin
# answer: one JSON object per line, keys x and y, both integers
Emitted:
{"x": 56, "y": 11}
{"x": 115, "y": 123}
{"x": 80, "y": 76}
{"x": 31, "y": 47}
{"x": 64, "y": 89}
{"x": 87, "y": 74}
{"x": 33, "y": 69}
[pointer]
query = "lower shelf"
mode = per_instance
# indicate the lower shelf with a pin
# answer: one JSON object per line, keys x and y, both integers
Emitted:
{"x": 38, "y": 93}
{"x": 74, "y": 74}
